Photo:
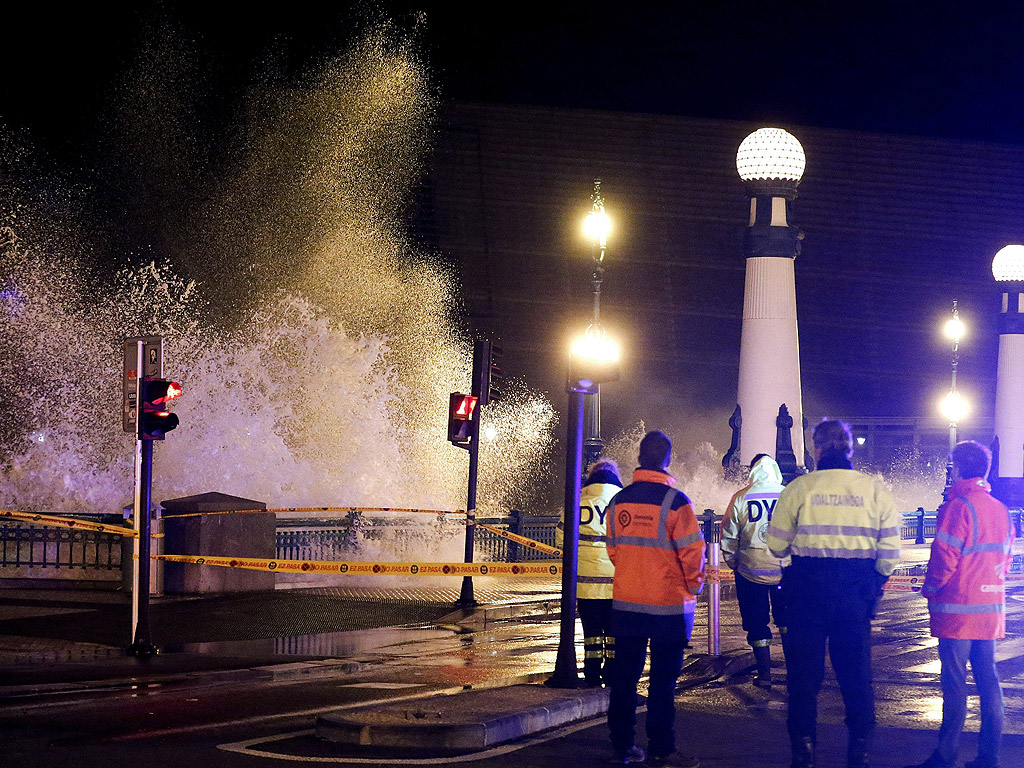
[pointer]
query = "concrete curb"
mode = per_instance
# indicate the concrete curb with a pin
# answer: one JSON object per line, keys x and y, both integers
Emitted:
{"x": 478, "y": 719}
{"x": 295, "y": 670}
{"x": 467, "y": 720}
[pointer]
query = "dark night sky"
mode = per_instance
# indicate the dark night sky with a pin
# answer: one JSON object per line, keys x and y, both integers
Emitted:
{"x": 922, "y": 68}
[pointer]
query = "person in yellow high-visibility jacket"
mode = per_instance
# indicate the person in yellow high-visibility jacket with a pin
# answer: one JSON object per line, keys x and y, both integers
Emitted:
{"x": 595, "y": 571}
{"x": 841, "y": 529}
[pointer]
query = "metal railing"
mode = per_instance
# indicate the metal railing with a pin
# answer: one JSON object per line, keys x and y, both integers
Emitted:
{"x": 920, "y": 525}
{"x": 338, "y": 538}
{"x": 35, "y": 546}
{"x": 28, "y": 545}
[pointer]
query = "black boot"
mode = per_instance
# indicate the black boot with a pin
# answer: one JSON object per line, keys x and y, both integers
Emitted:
{"x": 803, "y": 752}
{"x": 763, "y": 657}
{"x": 857, "y": 752}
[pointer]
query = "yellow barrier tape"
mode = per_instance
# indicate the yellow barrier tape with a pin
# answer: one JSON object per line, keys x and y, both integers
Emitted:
{"x": 324, "y": 509}
{"x": 531, "y": 543}
{"x": 370, "y": 568}
{"x": 914, "y": 583}
{"x": 67, "y": 522}
{"x": 904, "y": 584}
{"x": 718, "y": 575}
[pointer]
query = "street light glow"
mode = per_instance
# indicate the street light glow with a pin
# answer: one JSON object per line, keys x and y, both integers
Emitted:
{"x": 595, "y": 347}
{"x": 770, "y": 154}
{"x": 954, "y": 329}
{"x": 597, "y": 226}
{"x": 954, "y": 407}
{"x": 1008, "y": 264}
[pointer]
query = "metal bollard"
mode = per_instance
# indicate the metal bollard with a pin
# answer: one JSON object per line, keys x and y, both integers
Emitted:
{"x": 714, "y": 599}
{"x": 920, "y": 526}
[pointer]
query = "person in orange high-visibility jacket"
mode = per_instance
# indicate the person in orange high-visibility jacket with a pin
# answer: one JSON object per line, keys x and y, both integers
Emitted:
{"x": 966, "y": 590}
{"x": 595, "y": 570}
{"x": 656, "y": 546}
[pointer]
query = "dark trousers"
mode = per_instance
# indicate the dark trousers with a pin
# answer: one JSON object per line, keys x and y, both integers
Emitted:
{"x": 830, "y": 602}
{"x": 666, "y": 664}
{"x": 598, "y": 644}
{"x": 756, "y": 600}
{"x": 954, "y": 655}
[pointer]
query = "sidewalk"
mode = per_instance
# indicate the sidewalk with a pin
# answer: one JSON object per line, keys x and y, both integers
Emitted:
{"x": 54, "y": 643}
{"x": 54, "y": 637}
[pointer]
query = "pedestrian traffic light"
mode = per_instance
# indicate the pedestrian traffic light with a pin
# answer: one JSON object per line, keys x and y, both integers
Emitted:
{"x": 488, "y": 378}
{"x": 155, "y": 420}
{"x": 496, "y": 377}
{"x": 460, "y": 417}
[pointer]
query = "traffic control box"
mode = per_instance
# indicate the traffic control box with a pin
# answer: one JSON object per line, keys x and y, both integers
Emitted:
{"x": 214, "y": 524}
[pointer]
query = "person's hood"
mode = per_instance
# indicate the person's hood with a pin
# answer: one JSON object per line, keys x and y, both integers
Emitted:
{"x": 603, "y": 476}
{"x": 766, "y": 471}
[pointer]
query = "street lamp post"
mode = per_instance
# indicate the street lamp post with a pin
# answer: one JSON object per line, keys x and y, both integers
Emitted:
{"x": 953, "y": 406}
{"x": 593, "y": 359}
{"x": 596, "y": 226}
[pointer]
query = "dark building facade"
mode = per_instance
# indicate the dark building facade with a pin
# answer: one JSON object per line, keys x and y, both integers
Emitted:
{"x": 896, "y": 228}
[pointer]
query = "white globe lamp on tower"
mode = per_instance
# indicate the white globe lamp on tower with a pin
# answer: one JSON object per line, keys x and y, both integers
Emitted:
{"x": 770, "y": 161}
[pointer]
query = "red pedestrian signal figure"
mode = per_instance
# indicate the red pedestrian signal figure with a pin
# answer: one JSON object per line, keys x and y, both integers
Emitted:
{"x": 155, "y": 421}
{"x": 460, "y": 417}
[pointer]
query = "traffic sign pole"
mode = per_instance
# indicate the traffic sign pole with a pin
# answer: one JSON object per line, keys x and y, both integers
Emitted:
{"x": 146, "y": 362}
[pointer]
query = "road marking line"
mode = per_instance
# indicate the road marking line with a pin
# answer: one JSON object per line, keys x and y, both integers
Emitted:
{"x": 383, "y": 686}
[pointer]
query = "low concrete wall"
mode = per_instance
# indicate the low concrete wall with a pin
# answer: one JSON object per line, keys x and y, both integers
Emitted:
{"x": 217, "y": 533}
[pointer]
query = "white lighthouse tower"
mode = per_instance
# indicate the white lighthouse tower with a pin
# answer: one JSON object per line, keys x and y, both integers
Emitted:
{"x": 771, "y": 163}
{"x": 1008, "y": 475}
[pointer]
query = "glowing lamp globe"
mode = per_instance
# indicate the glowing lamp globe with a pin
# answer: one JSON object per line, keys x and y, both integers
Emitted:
{"x": 596, "y": 226}
{"x": 954, "y": 407}
{"x": 593, "y": 358}
{"x": 597, "y": 348}
{"x": 770, "y": 154}
{"x": 955, "y": 329}
{"x": 1008, "y": 264}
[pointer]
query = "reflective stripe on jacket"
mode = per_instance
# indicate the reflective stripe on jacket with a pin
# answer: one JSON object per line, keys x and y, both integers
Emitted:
{"x": 745, "y": 526}
{"x": 837, "y": 513}
{"x": 970, "y": 555}
{"x": 657, "y": 548}
{"x": 594, "y": 570}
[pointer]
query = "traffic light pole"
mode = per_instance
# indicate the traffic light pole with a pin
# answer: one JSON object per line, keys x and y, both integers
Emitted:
{"x": 466, "y": 598}
{"x": 142, "y": 645}
{"x": 566, "y": 674}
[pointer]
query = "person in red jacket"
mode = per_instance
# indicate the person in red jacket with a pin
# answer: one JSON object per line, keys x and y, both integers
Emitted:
{"x": 966, "y": 590}
{"x": 656, "y": 546}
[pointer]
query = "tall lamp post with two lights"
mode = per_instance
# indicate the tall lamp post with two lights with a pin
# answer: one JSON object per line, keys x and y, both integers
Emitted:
{"x": 596, "y": 227}
{"x": 953, "y": 406}
{"x": 592, "y": 360}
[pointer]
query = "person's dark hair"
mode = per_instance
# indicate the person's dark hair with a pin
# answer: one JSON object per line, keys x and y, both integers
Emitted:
{"x": 758, "y": 457}
{"x": 833, "y": 437}
{"x": 972, "y": 459}
{"x": 655, "y": 450}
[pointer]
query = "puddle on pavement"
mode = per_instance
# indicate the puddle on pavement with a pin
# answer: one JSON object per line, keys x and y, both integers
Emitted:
{"x": 350, "y": 643}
